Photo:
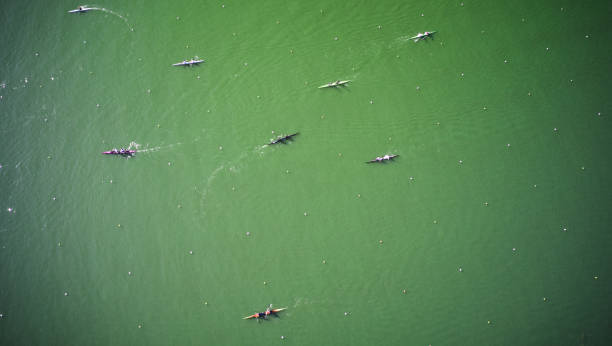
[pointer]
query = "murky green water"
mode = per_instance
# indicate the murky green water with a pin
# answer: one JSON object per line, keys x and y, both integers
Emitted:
{"x": 490, "y": 228}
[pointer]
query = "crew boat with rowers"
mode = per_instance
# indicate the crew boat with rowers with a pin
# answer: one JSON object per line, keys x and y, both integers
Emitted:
{"x": 383, "y": 158}
{"x": 189, "y": 62}
{"x": 422, "y": 36}
{"x": 81, "y": 9}
{"x": 283, "y": 139}
{"x": 264, "y": 315}
{"x": 335, "y": 84}
{"x": 122, "y": 152}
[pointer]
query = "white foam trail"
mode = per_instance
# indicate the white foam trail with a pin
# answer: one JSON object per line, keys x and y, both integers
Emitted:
{"x": 110, "y": 12}
{"x": 233, "y": 166}
{"x": 136, "y": 146}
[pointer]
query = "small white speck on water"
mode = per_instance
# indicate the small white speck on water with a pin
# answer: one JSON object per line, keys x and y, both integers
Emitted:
{"x": 547, "y": 48}
{"x": 191, "y": 252}
{"x": 248, "y": 233}
{"x": 222, "y": 6}
{"x": 460, "y": 161}
{"x": 544, "y": 299}
{"x": 282, "y": 337}
{"x": 110, "y": 181}
{"x": 177, "y": 17}
{"x": 555, "y": 129}
{"x": 97, "y": 105}
{"x": 324, "y": 261}
{"x": 486, "y": 204}
{"x": 505, "y": 61}
{"x": 586, "y": 36}
{"x": 220, "y": 147}
{"x": 411, "y": 178}
{"x": 246, "y": 64}
{"x": 129, "y": 273}
{"x": 462, "y": 74}
{"x": 9, "y": 209}
{"x": 422, "y": 15}
{"x": 54, "y": 198}
{"x": 379, "y": 27}
{"x": 523, "y": 20}
{"x": 169, "y": 163}
{"x": 335, "y": 38}
{"x": 139, "y": 326}
{"x": 564, "y": 229}
{"x": 435, "y": 222}
{"x": 380, "y": 241}
{"x": 148, "y": 91}
{"x": 484, "y": 108}
{"x": 535, "y": 185}
{"x": 371, "y": 101}
{"x": 305, "y": 214}
{"x": 346, "y": 313}
{"x": 598, "y": 113}
{"x": 265, "y": 282}
{"x": 66, "y": 294}
{"x": 529, "y": 93}
{"x": 460, "y": 269}
{"x": 1, "y": 315}
{"x": 418, "y": 88}
{"x": 404, "y": 291}
{"x": 339, "y": 154}
{"x": 287, "y": 171}
{"x": 508, "y": 145}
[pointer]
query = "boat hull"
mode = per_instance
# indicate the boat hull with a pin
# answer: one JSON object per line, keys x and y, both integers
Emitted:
{"x": 334, "y": 84}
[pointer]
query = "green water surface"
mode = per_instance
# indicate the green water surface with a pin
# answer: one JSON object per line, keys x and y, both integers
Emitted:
{"x": 492, "y": 227}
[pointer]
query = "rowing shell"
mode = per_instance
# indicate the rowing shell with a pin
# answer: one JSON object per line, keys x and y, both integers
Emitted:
{"x": 112, "y": 152}
{"x": 384, "y": 158}
{"x": 80, "y": 10}
{"x": 421, "y": 36}
{"x": 273, "y": 311}
{"x": 334, "y": 84}
{"x": 189, "y": 62}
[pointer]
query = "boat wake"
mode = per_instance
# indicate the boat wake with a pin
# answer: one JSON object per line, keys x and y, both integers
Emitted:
{"x": 232, "y": 166}
{"x": 95, "y": 8}
{"x": 139, "y": 149}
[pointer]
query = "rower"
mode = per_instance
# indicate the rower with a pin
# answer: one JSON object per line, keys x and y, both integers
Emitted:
{"x": 386, "y": 157}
